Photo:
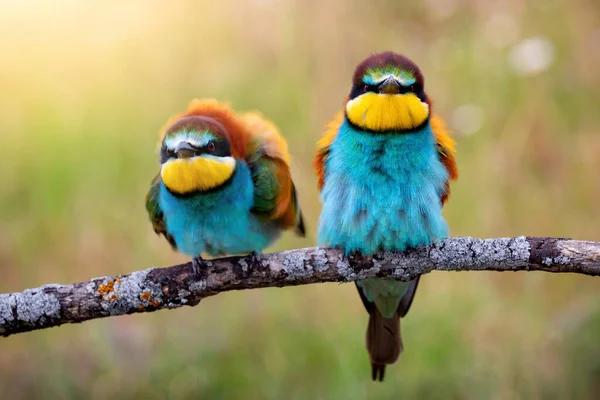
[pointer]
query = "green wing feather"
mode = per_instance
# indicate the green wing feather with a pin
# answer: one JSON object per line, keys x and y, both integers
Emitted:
{"x": 274, "y": 192}
{"x": 275, "y": 196}
{"x": 156, "y": 215}
{"x": 266, "y": 186}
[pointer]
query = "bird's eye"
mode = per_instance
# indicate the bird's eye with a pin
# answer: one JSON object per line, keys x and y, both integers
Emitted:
{"x": 365, "y": 88}
{"x": 412, "y": 88}
{"x": 211, "y": 146}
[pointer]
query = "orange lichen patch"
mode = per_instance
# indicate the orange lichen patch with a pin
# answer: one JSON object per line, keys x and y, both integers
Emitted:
{"x": 147, "y": 297}
{"x": 107, "y": 291}
{"x": 154, "y": 303}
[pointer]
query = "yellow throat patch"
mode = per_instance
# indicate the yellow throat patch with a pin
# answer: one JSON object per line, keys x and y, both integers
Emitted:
{"x": 383, "y": 112}
{"x": 187, "y": 175}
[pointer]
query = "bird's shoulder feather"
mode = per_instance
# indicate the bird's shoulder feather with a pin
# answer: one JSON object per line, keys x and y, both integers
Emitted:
{"x": 275, "y": 196}
{"x": 446, "y": 148}
{"x": 323, "y": 147}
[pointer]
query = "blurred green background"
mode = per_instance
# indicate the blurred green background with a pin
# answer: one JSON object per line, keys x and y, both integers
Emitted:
{"x": 85, "y": 87}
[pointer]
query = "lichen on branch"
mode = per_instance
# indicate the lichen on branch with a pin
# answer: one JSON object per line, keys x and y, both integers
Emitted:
{"x": 172, "y": 287}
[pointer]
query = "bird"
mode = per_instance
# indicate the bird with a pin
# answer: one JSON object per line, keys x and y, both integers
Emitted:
{"x": 384, "y": 166}
{"x": 224, "y": 186}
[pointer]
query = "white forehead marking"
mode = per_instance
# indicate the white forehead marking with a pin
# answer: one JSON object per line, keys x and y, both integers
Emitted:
{"x": 403, "y": 79}
{"x": 194, "y": 138}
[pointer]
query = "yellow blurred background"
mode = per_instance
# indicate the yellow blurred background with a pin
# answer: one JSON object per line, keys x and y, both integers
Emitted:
{"x": 86, "y": 85}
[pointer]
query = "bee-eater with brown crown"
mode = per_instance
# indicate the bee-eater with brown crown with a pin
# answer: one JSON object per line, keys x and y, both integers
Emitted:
{"x": 224, "y": 186}
{"x": 384, "y": 166}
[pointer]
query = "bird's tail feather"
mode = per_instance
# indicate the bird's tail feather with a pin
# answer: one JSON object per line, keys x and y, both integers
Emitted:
{"x": 384, "y": 342}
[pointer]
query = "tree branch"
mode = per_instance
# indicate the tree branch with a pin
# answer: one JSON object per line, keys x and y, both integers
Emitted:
{"x": 158, "y": 288}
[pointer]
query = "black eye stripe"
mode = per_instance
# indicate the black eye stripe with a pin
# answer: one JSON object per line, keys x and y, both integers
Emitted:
{"x": 416, "y": 88}
{"x": 165, "y": 154}
{"x": 221, "y": 149}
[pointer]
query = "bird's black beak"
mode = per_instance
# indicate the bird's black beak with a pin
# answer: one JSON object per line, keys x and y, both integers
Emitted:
{"x": 389, "y": 86}
{"x": 185, "y": 150}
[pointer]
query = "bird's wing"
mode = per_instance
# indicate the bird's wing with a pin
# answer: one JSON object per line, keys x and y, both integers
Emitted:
{"x": 323, "y": 145}
{"x": 156, "y": 215}
{"x": 446, "y": 149}
{"x": 275, "y": 196}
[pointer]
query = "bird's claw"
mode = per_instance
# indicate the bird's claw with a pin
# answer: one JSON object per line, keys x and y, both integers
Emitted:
{"x": 197, "y": 263}
{"x": 255, "y": 257}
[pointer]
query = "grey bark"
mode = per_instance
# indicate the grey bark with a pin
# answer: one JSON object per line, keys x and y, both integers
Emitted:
{"x": 158, "y": 288}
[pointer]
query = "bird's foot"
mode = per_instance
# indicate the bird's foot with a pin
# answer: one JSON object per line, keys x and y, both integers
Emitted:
{"x": 197, "y": 264}
{"x": 255, "y": 257}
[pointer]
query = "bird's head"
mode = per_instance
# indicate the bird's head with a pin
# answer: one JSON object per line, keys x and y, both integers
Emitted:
{"x": 196, "y": 155}
{"x": 387, "y": 95}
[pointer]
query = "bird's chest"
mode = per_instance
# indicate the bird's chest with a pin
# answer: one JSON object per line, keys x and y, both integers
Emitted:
{"x": 216, "y": 223}
{"x": 382, "y": 192}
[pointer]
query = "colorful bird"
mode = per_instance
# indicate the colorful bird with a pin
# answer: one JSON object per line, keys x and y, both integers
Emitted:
{"x": 224, "y": 185}
{"x": 384, "y": 166}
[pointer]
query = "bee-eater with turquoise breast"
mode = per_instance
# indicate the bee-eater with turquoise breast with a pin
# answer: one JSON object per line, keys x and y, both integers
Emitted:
{"x": 384, "y": 166}
{"x": 224, "y": 186}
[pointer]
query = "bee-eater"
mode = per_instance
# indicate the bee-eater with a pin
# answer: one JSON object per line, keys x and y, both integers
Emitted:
{"x": 384, "y": 166}
{"x": 224, "y": 186}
